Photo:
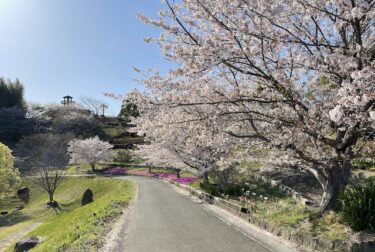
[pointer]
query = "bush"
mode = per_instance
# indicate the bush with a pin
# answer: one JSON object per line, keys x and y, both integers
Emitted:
{"x": 358, "y": 205}
{"x": 209, "y": 188}
{"x": 9, "y": 178}
{"x": 363, "y": 163}
{"x": 123, "y": 156}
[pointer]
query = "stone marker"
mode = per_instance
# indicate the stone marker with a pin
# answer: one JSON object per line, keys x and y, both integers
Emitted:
{"x": 23, "y": 191}
{"x": 24, "y": 194}
{"x": 26, "y": 244}
{"x": 87, "y": 198}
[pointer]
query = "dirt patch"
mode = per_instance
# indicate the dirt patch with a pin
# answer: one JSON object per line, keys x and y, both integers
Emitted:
{"x": 302, "y": 182}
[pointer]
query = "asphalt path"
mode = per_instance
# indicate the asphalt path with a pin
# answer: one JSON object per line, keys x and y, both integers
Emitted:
{"x": 165, "y": 220}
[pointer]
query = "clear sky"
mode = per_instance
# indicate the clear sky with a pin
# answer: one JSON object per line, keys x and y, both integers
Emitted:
{"x": 76, "y": 47}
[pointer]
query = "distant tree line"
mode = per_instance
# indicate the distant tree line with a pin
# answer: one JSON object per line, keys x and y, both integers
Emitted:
{"x": 13, "y": 122}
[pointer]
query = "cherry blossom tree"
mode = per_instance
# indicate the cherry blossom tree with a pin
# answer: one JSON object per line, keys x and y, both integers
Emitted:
{"x": 178, "y": 140}
{"x": 90, "y": 151}
{"x": 294, "y": 76}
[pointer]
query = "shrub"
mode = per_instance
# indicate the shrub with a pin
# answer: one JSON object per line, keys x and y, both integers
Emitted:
{"x": 209, "y": 188}
{"x": 358, "y": 205}
{"x": 123, "y": 156}
{"x": 9, "y": 178}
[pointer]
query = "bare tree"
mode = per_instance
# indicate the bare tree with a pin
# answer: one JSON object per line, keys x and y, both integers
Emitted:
{"x": 46, "y": 156}
{"x": 92, "y": 104}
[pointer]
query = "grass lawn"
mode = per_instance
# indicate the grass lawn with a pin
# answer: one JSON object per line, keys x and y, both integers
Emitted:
{"x": 78, "y": 169}
{"x": 72, "y": 228}
{"x": 114, "y": 131}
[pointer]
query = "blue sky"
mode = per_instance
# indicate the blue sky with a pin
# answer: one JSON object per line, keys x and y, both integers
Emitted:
{"x": 76, "y": 47}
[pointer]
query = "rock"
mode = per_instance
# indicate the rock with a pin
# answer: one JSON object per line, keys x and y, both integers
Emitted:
{"x": 26, "y": 244}
{"x": 87, "y": 198}
{"x": 4, "y": 213}
{"x": 18, "y": 208}
{"x": 244, "y": 210}
{"x": 24, "y": 194}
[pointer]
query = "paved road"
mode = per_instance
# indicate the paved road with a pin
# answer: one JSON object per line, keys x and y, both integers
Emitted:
{"x": 164, "y": 220}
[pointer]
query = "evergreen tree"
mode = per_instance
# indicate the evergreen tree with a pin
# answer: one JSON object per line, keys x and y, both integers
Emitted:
{"x": 11, "y": 94}
{"x": 128, "y": 109}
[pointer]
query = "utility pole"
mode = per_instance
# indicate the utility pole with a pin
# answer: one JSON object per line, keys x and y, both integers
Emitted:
{"x": 103, "y": 107}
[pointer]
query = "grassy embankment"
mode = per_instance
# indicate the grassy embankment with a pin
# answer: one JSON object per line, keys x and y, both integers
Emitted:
{"x": 71, "y": 228}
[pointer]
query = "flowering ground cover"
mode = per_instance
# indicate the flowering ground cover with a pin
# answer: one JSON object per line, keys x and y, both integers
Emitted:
{"x": 186, "y": 180}
{"x": 164, "y": 175}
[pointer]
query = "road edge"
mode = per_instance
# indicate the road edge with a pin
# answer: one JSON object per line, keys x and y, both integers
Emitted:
{"x": 114, "y": 239}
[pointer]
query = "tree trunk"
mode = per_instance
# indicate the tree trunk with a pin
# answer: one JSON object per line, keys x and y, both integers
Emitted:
{"x": 336, "y": 181}
{"x": 331, "y": 191}
{"x": 93, "y": 167}
{"x": 178, "y": 173}
{"x": 52, "y": 203}
{"x": 205, "y": 177}
{"x": 149, "y": 169}
{"x": 51, "y": 196}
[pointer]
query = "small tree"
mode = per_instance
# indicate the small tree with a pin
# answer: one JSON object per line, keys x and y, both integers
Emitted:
{"x": 91, "y": 151}
{"x": 9, "y": 178}
{"x": 46, "y": 156}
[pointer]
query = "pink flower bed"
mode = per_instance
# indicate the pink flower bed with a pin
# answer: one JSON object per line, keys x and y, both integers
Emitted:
{"x": 186, "y": 180}
{"x": 171, "y": 176}
{"x": 167, "y": 176}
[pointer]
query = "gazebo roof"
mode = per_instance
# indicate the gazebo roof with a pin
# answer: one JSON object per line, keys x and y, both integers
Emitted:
{"x": 67, "y": 96}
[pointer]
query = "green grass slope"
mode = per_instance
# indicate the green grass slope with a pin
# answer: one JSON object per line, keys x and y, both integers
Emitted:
{"x": 76, "y": 228}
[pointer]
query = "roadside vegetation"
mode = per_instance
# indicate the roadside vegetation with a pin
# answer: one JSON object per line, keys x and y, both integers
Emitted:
{"x": 269, "y": 204}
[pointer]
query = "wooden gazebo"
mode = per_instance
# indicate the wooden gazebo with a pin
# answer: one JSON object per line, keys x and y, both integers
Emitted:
{"x": 67, "y": 100}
